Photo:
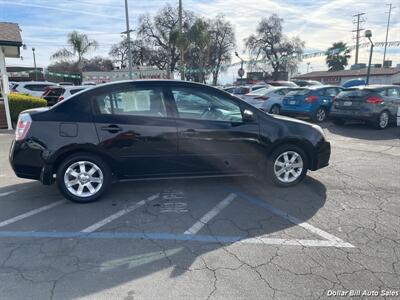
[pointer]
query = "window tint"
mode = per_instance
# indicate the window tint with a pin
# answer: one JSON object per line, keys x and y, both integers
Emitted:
{"x": 393, "y": 92}
{"x": 200, "y": 105}
{"x": 75, "y": 91}
{"x": 331, "y": 92}
{"x": 298, "y": 92}
{"x": 135, "y": 102}
{"x": 36, "y": 87}
{"x": 241, "y": 91}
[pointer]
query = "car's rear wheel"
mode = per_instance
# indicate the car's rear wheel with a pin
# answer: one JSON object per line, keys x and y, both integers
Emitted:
{"x": 83, "y": 178}
{"x": 382, "y": 121}
{"x": 320, "y": 115}
{"x": 275, "y": 109}
{"x": 338, "y": 121}
{"x": 287, "y": 165}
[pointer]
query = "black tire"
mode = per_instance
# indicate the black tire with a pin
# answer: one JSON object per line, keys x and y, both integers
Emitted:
{"x": 275, "y": 109}
{"x": 90, "y": 158}
{"x": 338, "y": 121}
{"x": 320, "y": 114}
{"x": 379, "y": 124}
{"x": 273, "y": 158}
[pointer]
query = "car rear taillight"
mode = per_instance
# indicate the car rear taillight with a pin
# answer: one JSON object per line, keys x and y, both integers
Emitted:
{"x": 23, "y": 125}
{"x": 311, "y": 99}
{"x": 262, "y": 98}
{"x": 61, "y": 98}
{"x": 374, "y": 100}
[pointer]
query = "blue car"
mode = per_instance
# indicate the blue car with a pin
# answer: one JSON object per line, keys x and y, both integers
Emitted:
{"x": 314, "y": 102}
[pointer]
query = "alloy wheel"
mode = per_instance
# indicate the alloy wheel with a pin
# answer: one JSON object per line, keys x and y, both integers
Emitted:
{"x": 383, "y": 119}
{"x": 288, "y": 166}
{"x": 321, "y": 115}
{"x": 83, "y": 179}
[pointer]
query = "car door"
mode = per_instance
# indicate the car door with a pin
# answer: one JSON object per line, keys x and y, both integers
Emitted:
{"x": 134, "y": 126}
{"x": 392, "y": 100}
{"x": 214, "y": 135}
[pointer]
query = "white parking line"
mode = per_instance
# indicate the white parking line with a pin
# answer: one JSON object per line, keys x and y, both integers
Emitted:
{"x": 13, "y": 191}
{"x": 295, "y": 242}
{"x": 7, "y": 193}
{"x": 211, "y": 214}
{"x": 31, "y": 213}
{"x": 119, "y": 214}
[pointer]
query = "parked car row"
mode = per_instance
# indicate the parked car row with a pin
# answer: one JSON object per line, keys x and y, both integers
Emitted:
{"x": 374, "y": 104}
{"x": 50, "y": 91}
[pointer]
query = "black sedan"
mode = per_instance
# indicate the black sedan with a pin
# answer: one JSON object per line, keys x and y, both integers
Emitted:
{"x": 155, "y": 129}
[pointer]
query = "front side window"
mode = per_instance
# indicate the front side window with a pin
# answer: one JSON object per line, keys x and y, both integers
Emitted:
{"x": 393, "y": 92}
{"x": 199, "y": 105}
{"x": 134, "y": 101}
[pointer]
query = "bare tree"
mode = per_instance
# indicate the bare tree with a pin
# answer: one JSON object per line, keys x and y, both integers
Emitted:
{"x": 162, "y": 34}
{"x": 140, "y": 53}
{"x": 270, "y": 45}
{"x": 222, "y": 44}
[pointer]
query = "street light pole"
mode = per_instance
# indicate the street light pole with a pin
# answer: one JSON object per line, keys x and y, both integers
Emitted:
{"x": 128, "y": 37}
{"x": 180, "y": 32}
{"x": 241, "y": 71}
{"x": 34, "y": 63}
{"x": 368, "y": 34}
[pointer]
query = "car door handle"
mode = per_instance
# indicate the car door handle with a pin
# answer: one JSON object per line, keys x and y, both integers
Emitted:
{"x": 111, "y": 128}
{"x": 190, "y": 132}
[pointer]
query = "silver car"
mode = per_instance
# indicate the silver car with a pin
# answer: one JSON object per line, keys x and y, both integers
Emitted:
{"x": 267, "y": 99}
{"x": 374, "y": 104}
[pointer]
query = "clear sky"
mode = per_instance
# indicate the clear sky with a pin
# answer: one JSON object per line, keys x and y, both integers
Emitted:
{"x": 45, "y": 24}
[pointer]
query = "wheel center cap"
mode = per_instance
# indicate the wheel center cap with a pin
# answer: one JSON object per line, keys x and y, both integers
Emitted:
{"x": 84, "y": 178}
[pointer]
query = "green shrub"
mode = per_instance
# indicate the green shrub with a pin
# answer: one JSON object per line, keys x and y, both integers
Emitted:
{"x": 21, "y": 102}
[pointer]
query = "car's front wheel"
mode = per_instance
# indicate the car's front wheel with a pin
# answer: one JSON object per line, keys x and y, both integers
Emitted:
{"x": 83, "y": 178}
{"x": 288, "y": 165}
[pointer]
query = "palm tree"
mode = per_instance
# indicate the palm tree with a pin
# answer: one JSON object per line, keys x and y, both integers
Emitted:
{"x": 79, "y": 45}
{"x": 337, "y": 56}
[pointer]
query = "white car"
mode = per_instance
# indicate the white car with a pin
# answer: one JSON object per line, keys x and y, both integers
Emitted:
{"x": 240, "y": 91}
{"x": 267, "y": 99}
{"x": 33, "y": 88}
{"x": 58, "y": 93}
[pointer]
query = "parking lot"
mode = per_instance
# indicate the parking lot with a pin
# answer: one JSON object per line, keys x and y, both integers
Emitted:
{"x": 216, "y": 238}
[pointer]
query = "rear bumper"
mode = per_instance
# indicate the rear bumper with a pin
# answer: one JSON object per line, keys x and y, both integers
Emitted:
{"x": 27, "y": 162}
{"x": 323, "y": 154}
{"x": 354, "y": 115}
{"x": 294, "y": 112}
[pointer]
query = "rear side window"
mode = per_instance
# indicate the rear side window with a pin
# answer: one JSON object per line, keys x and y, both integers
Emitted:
{"x": 133, "y": 101}
{"x": 36, "y": 87}
{"x": 354, "y": 93}
{"x": 332, "y": 92}
{"x": 56, "y": 92}
{"x": 298, "y": 92}
{"x": 241, "y": 91}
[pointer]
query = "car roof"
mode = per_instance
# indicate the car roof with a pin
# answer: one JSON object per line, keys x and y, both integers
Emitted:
{"x": 36, "y": 82}
{"x": 76, "y": 87}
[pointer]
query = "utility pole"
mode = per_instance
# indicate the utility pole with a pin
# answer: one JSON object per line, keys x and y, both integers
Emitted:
{"x": 357, "y": 31}
{"x": 387, "y": 32}
{"x": 128, "y": 37}
{"x": 180, "y": 32}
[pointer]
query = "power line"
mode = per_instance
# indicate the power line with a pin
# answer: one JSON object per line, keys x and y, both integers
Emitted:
{"x": 387, "y": 32}
{"x": 357, "y": 31}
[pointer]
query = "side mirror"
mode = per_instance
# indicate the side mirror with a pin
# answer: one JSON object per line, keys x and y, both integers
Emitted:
{"x": 248, "y": 115}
